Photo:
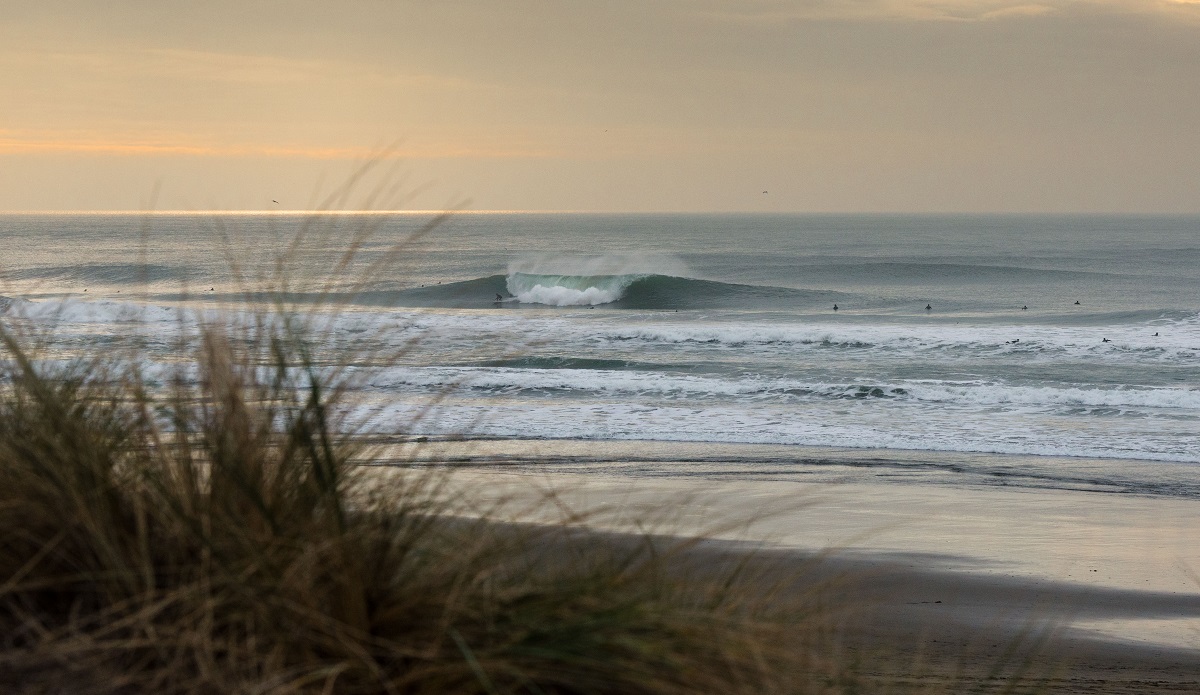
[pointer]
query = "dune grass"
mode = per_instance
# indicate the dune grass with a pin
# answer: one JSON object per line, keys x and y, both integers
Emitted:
{"x": 205, "y": 525}
{"x": 205, "y": 529}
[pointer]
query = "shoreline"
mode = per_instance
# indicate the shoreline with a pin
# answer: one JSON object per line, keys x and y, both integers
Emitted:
{"x": 1120, "y": 568}
{"x": 1089, "y": 473}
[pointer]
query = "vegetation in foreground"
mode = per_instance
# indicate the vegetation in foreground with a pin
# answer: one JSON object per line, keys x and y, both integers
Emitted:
{"x": 206, "y": 532}
{"x": 206, "y": 528}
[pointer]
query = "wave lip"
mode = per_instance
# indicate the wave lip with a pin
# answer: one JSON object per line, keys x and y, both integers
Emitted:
{"x": 569, "y": 290}
{"x": 584, "y": 280}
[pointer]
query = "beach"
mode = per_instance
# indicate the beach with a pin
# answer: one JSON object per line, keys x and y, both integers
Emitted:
{"x": 995, "y": 449}
{"x": 1071, "y": 591}
{"x": 781, "y": 347}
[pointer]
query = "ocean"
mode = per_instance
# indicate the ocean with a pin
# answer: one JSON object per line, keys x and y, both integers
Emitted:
{"x": 1024, "y": 352}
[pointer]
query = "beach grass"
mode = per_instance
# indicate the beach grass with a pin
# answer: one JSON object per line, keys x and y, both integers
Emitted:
{"x": 212, "y": 523}
{"x": 212, "y": 534}
{"x": 205, "y": 527}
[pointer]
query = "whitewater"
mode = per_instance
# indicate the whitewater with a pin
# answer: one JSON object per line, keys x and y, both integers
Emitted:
{"x": 1072, "y": 343}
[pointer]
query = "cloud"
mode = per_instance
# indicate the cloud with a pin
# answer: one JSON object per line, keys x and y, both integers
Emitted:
{"x": 16, "y": 142}
{"x": 931, "y": 10}
{"x": 1018, "y": 11}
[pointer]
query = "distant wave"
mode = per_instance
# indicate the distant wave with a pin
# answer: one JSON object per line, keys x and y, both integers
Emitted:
{"x": 114, "y": 274}
{"x": 633, "y": 291}
{"x": 654, "y": 292}
{"x": 583, "y": 280}
{"x": 598, "y": 379}
{"x": 919, "y": 272}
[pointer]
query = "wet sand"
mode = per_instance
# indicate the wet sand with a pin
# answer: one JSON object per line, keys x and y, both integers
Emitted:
{"x": 1078, "y": 590}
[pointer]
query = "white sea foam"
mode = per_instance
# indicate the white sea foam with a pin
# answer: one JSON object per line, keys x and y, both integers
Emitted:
{"x": 1179, "y": 341}
{"x": 618, "y": 382}
{"x": 716, "y": 379}
{"x": 1014, "y": 434}
{"x": 95, "y": 311}
{"x": 581, "y": 280}
{"x": 569, "y": 290}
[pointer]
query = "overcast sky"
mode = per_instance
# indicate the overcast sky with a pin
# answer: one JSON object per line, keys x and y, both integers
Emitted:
{"x": 829, "y": 105}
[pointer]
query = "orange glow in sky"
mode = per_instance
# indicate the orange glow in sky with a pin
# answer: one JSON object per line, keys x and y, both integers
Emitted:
{"x": 880, "y": 105}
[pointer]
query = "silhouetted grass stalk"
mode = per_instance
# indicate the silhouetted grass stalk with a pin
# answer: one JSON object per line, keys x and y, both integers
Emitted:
{"x": 207, "y": 532}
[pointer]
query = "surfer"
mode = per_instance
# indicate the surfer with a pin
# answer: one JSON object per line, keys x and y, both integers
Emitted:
{"x": 928, "y": 307}
{"x": 1076, "y": 302}
{"x": 1155, "y": 334}
{"x": 499, "y": 298}
{"x": 835, "y": 307}
{"x": 1025, "y": 308}
{"x": 1105, "y": 340}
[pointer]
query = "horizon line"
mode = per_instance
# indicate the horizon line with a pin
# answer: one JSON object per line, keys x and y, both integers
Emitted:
{"x": 452, "y": 211}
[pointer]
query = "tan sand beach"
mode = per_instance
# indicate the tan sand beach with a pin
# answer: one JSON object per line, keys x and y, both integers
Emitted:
{"x": 1071, "y": 591}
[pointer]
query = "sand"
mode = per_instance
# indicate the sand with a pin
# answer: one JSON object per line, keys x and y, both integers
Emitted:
{"x": 926, "y": 626}
{"x": 1075, "y": 591}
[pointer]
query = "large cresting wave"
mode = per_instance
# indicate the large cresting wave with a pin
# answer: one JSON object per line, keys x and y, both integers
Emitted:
{"x": 632, "y": 282}
{"x": 570, "y": 290}
{"x": 582, "y": 280}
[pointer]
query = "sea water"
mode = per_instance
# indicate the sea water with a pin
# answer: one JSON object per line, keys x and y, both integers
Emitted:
{"x": 1026, "y": 351}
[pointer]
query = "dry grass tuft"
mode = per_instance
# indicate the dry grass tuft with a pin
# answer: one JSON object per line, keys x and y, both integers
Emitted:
{"x": 209, "y": 528}
{"x": 205, "y": 532}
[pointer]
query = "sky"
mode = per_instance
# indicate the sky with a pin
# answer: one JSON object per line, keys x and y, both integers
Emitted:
{"x": 611, "y": 105}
